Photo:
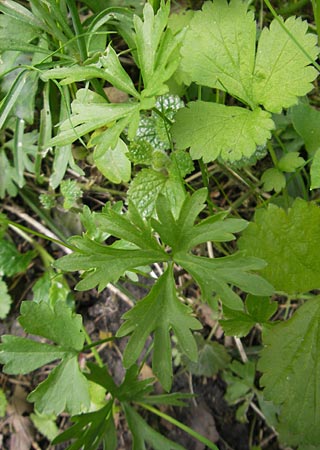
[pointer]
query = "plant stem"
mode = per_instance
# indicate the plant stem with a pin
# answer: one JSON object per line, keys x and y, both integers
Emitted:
{"x": 180, "y": 425}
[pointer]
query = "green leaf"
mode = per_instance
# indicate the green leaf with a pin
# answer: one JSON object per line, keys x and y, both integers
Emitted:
{"x": 238, "y": 323}
{"x": 71, "y": 192}
{"x": 130, "y": 227}
{"x": 315, "y": 171}
{"x": 142, "y": 433}
{"x": 65, "y": 389}
{"x": 58, "y": 324}
{"x": 45, "y": 423}
{"x": 105, "y": 264}
{"x": 290, "y": 162}
{"x": 289, "y": 243}
{"x": 114, "y": 163}
{"x": 223, "y": 56}
{"x": 3, "y": 403}
{"x": 219, "y": 47}
{"x": 240, "y": 380}
{"x": 90, "y": 112}
{"x": 21, "y": 355}
{"x": 282, "y": 72}
{"x": 260, "y": 308}
{"x": 111, "y": 71}
{"x": 290, "y": 362}
{"x": 90, "y": 429}
{"x": 181, "y": 233}
{"x": 273, "y": 179}
{"x": 5, "y": 300}
{"x": 214, "y": 276}
{"x": 212, "y": 129}
{"x": 212, "y": 357}
{"x": 159, "y": 312}
{"x": 8, "y": 175}
{"x": 11, "y": 260}
{"x": 305, "y": 120}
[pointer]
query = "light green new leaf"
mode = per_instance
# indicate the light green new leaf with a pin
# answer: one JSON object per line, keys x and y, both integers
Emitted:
{"x": 159, "y": 312}
{"x": 90, "y": 112}
{"x": 281, "y": 74}
{"x": 290, "y": 365}
{"x": 219, "y": 48}
{"x": 65, "y": 389}
{"x": 273, "y": 179}
{"x": 45, "y": 423}
{"x": 212, "y": 129}
{"x": 290, "y": 162}
{"x": 143, "y": 433}
{"x": 59, "y": 323}
{"x": 215, "y": 275}
{"x": 103, "y": 263}
{"x": 289, "y": 242}
{"x": 148, "y": 37}
{"x": 114, "y": 164}
{"x": 21, "y": 355}
{"x": 111, "y": 71}
{"x": 219, "y": 52}
{"x": 3, "y": 403}
{"x": 5, "y": 300}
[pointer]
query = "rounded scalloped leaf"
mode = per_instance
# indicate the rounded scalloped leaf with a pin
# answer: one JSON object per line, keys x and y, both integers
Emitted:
{"x": 212, "y": 129}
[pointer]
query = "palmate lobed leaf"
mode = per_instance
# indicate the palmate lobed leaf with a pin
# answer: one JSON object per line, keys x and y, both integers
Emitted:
{"x": 281, "y": 73}
{"x": 212, "y": 129}
{"x": 219, "y": 51}
{"x": 22, "y": 355}
{"x": 290, "y": 365}
{"x": 104, "y": 263}
{"x": 158, "y": 313}
{"x": 65, "y": 389}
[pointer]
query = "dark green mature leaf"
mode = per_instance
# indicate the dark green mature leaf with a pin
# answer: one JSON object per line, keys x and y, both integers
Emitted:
{"x": 160, "y": 312}
{"x": 289, "y": 242}
{"x": 290, "y": 365}
{"x": 65, "y": 389}
{"x": 11, "y": 260}
{"x": 105, "y": 264}
{"x": 90, "y": 429}
{"x": 21, "y": 355}
{"x": 238, "y": 323}
{"x": 182, "y": 235}
{"x": 215, "y": 276}
{"x": 58, "y": 324}
{"x": 212, "y": 358}
{"x": 142, "y": 433}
